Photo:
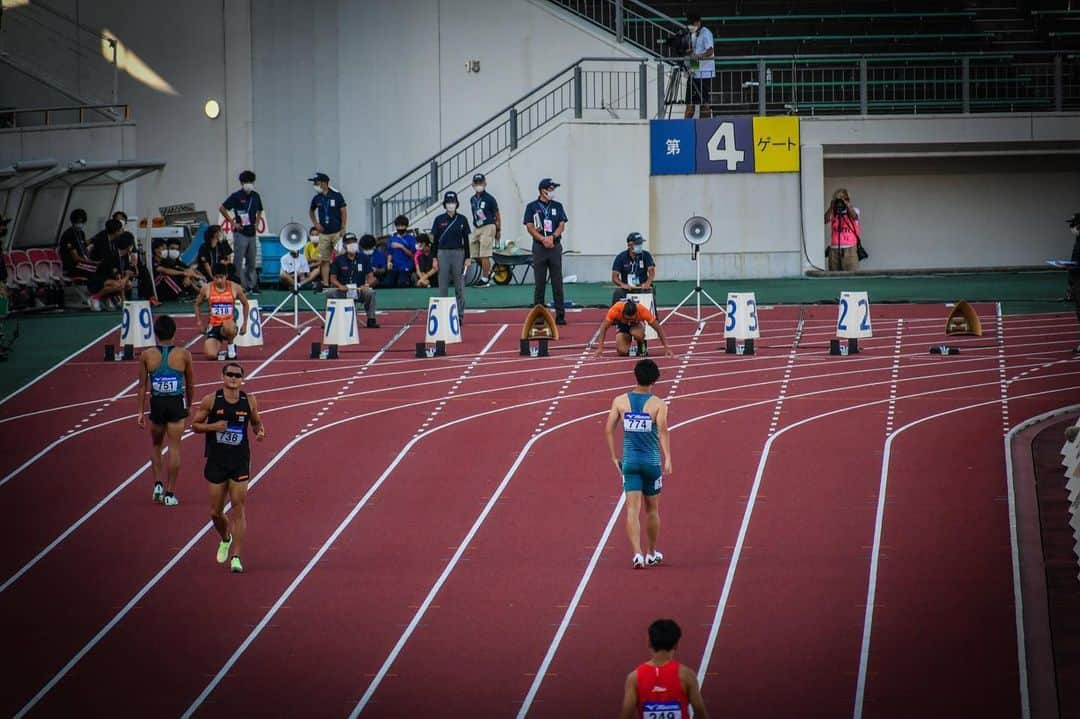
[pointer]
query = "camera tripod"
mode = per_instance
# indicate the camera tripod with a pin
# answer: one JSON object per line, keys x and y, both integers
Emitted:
{"x": 680, "y": 77}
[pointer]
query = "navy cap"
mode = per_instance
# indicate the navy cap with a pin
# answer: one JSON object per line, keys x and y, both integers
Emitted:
{"x": 547, "y": 184}
{"x": 1074, "y": 220}
{"x": 636, "y": 238}
{"x": 479, "y": 177}
{"x": 319, "y": 177}
{"x": 449, "y": 197}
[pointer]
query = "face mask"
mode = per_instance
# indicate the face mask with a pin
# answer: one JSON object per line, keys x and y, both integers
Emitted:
{"x": 1076, "y": 230}
{"x": 351, "y": 248}
{"x": 247, "y": 186}
{"x": 478, "y": 189}
{"x": 318, "y": 188}
{"x": 78, "y": 226}
{"x": 369, "y": 253}
{"x": 314, "y": 239}
{"x": 550, "y": 194}
{"x": 174, "y": 254}
{"x": 451, "y": 206}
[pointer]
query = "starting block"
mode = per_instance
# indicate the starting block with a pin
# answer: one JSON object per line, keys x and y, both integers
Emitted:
{"x": 852, "y": 324}
{"x": 741, "y": 328}
{"x": 422, "y": 350}
{"x": 944, "y": 350}
{"x": 539, "y": 326}
{"x": 339, "y": 328}
{"x": 963, "y": 320}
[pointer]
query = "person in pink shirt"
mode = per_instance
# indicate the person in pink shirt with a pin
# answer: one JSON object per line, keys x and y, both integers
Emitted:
{"x": 843, "y": 220}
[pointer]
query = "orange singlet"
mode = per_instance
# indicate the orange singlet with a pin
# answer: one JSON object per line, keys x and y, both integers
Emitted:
{"x": 221, "y": 304}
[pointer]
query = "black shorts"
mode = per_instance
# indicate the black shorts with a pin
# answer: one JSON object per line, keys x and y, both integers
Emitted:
{"x": 221, "y": 471}
{"x": 214, "y": 333}
{"x": 699, "y": 91}
{"x": 621, "y": 328}
{"x": 165, "y": 410}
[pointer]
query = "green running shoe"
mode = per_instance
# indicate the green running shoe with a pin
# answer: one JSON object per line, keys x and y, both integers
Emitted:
{"x": 223, "y": 550}
{"x": 235, "y": 566}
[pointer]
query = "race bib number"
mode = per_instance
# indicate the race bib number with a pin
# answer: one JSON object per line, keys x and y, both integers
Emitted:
{"x": 233, "y": 436}
{"x": 637, "y": 422}
{"x": 221, "y": 309}
{"x": 165, "y": 385}
{"x": 662, "y": 710}
{"x": 547, "y": 226}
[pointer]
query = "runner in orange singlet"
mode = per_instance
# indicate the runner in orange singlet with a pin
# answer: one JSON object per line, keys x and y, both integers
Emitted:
{"x": 221, "y": 295}
{"x": 661, "y": 688}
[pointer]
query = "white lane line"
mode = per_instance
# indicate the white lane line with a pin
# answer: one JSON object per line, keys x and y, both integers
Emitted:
{"x": 579, "y": 591}
{"x": 879, "y": 523}
{"x": 1014, "y": 542}
{"x": 61, "y": 363}
{"x": 255, "y": 372}
{"x": 325, "y": 546}
{"x": 891, "y": 414}
{"x": 788, "y": 368}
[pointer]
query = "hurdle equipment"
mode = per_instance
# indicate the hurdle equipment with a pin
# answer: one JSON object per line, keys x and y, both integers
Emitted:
{"x": 443, "y": 327}
{"x": 648, "y": 300}
{"x": 539, "y": 326}
{"x": 963, "y": 320}
{"x": 339, "y": 328}
{"x": 136, "y": 330}
{"x": 742, "y": 327}
{"x": 852, "y": 323}
{"x": 252, "y": 324}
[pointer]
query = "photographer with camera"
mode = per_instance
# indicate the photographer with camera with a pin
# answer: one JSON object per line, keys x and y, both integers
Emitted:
{"x": 699, "y": 48}
{"x": 844, "y": 247}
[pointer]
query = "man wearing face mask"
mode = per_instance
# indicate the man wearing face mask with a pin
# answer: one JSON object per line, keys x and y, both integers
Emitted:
{"x": 244, "y": 209}
{"x": 73, "y": 251}
{"x": 402, "y": 246}
{"x": 451, "y": 234}
{"x": 487, "y": 225}
{"x": 545, "y": 220}
{"x": 351, "y": 276}
{"x": 330, "y": 217}
{"x": 174, "y": 279}
{"x": 702, "y": 67}
{"x": 634, "y": 269}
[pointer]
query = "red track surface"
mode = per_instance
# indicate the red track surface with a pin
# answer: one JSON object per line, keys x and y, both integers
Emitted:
{"x": 419, "y": 529}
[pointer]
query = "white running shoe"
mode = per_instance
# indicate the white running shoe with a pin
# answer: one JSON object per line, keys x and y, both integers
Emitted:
{"x": 221, "y": 356}
{"x": 170, "y": 500}
{"x": 95, "y": 303}
{"x": 639, "y": 561}
{"x": 653, "y": 558}
{"x": 159, "y": 492}
{"x": 223, "y": 550}
{"x": 231, "y": 352}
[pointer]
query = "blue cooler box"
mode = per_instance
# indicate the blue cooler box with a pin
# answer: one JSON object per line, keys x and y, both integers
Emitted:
{"x": 271, "y": 250}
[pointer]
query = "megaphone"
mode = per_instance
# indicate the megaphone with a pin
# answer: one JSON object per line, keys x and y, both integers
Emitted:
{"x": 293, "y": 237}
{"x": 697, "y": 230}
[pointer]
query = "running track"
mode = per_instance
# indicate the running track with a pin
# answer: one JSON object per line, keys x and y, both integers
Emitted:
{"x": 444, "y": 537}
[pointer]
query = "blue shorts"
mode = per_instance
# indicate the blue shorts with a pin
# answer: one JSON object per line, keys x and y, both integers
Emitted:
{"x": 644, "y": 478}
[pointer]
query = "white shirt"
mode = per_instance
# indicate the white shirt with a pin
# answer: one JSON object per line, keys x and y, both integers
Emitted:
{"x": 702, "y": 41}
{"x": 301, "y": 263}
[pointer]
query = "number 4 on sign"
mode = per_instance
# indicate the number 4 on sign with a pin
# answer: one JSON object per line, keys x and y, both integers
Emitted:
{"x": 721, "y": 146}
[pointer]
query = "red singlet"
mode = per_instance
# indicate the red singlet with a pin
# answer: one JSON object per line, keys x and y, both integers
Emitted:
{"x": 660, "y": 693}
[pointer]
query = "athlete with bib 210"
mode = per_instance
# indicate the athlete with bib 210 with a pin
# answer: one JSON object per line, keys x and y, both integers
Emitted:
{"x": 661, "y": 688}
{"x": 227, "y": 418}
{"x": 645, "y": 433}
{"x": 221, "y": 295}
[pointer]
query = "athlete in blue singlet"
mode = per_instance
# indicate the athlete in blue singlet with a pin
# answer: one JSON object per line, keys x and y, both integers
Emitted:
{"x": 645, "y": 434}
{"x": 166, "y": 371}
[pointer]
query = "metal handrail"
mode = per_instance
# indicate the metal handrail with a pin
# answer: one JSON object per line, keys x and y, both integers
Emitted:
{"x": 112, "y": 112}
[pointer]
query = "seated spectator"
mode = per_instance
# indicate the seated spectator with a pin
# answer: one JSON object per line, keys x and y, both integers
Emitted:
{"x": 215, "y": 248}
{"x": 402, "y": 245}
{"x": 102, "y": 245}
{"x": 427, "y": 267}
{"x": 172, "y": 278}
{"x": 74, "y": 255}
{"x": 311, "y": 254}
{"x": 380, "y": 261}
{"x": 297, "y": 261}
{"x": 113, "y": 278}
{"x": 634, "y": 269}
{"x": 351, "y": 277}
{"x": 121, "y": 217}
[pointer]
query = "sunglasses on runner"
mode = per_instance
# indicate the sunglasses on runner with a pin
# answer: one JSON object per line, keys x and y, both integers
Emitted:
{"x": 237, "y": 375}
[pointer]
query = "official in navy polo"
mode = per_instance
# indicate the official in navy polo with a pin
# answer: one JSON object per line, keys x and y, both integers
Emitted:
{"x": 244, "y": 208}
{"x": 450, "y": 231}
{"x": 487, "y": 227}
{"x": 329, "y": 216}
{"x": 634, "y": 269}
{"x": 545, "y": 219}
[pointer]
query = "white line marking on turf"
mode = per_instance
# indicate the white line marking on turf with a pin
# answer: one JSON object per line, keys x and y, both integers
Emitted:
{"x": 879, "y": 522}
{"x": 61, "y": 363}
{"x": 1002, "y": 371}
{"x": 792, "y": 355}
{"x": 891, "y": 414}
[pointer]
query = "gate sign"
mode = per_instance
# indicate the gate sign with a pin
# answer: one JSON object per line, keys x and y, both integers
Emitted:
{"x": 672, "y": 143}
{"x": 776, "y": 144}
{"x": 725, "y": 144}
